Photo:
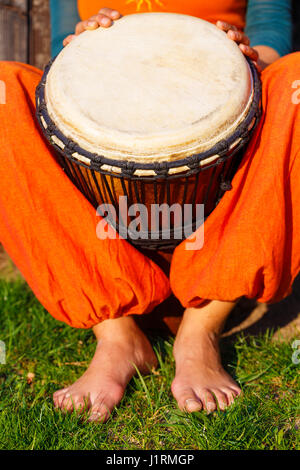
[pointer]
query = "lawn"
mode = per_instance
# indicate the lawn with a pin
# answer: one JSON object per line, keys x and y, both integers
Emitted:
{"x": 44, "y": 355}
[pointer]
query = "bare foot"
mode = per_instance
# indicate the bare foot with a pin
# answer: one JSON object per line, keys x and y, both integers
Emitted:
{"x": 200, "y": 381}
{"x": 120, "y": 345}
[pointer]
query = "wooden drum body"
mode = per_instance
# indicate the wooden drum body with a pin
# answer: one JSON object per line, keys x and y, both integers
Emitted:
{"x": 157, "y": 108}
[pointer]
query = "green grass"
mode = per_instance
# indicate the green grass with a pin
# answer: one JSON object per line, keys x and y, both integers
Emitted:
{"x": 266, "y": 417}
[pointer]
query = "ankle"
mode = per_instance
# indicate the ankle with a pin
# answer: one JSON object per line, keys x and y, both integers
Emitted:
{"x": 114, "y": 329}
{"x": 209, "y": 320}
{"x": 196, "y": 323}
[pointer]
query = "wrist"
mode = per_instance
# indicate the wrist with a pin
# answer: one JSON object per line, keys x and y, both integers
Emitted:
{"x": 267, "y": 55}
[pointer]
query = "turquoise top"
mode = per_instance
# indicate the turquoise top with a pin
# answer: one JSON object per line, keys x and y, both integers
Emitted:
{"x": 268, "y": 23}
{"x": 64, "y": 17}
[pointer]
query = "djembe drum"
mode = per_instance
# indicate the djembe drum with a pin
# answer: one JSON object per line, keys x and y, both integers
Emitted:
{"x": 157, "y": 108}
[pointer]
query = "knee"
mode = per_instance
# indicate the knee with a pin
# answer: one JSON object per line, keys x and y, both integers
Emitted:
{"x": 10, "y": 68}
{"x": 10, "y": 71}
{"x": 290, "y": 61}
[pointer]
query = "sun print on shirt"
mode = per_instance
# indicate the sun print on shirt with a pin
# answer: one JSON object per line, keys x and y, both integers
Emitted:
{"x": 148, "y": 3}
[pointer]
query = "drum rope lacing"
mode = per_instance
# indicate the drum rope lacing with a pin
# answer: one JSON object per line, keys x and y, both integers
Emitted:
{"x": 67, "y": 147}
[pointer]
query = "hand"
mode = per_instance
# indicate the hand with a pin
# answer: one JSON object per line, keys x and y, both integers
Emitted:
{"x": 104, "y": 18}
{"x": 242, "y": 40}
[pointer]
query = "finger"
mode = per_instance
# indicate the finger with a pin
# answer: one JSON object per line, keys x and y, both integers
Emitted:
{"x": 258, "y": 67}
{"x": 249, "y": 52}
{"x": 225, "y": 26}
{"x": 80, "y": 27}
{"x": 93, "y": 23}
{"x": 239, "y": 37}
{"x": 103, "y": 20}
{"x": 89, "y": 24}
{"x": 68, "y": 39}
{"x": 112, "y": 14}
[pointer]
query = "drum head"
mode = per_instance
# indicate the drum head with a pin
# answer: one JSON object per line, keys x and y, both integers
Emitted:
{"x": 154, "y": 87}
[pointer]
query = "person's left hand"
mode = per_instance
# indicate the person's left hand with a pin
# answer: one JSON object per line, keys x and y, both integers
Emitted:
{"x": 241, "y": 39}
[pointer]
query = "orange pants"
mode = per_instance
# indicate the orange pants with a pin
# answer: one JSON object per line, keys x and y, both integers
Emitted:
{"x": 252, "y": 239}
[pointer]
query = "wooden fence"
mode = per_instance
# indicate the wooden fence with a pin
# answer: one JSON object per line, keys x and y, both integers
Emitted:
{"x": 25, "y": 31}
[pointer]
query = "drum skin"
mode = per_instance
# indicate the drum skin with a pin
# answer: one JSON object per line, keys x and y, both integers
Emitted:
{"x": 154, "y": 87}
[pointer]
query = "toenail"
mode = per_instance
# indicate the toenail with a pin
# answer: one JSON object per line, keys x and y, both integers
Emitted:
{"x": 210, "y": 406}
{"x": 192, "y": 402}
{"x": 94, "y": 416}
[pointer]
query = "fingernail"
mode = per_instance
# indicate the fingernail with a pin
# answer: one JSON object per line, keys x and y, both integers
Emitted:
{"x": 105, "y": 21}
{"x": 92, "y": 24}
{"x": 115, "y": 13}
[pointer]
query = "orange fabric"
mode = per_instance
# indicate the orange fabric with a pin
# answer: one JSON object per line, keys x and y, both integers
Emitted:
{"x": 252, "y": 239}
{"x": 232, "y": 11}
{"x": 49, "y": 228}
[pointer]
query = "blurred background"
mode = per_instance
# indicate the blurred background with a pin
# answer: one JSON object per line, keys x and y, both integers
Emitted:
{"x": 25, "y": 28}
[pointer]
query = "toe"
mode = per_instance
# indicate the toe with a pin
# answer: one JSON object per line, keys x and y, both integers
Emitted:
{"x": 186, "y": 398}
{"x": 232, "y": 385}
{"x": 58, "y": 397}
{"x": 231, "y": 394}
{"x": 220, "y": 398}
{"x": 81, "y": 405}
{"x": 66, "y": 403}
{"x": 99, "y": 412}
{"x": 72, "y": 402}
{"x": 208, "y": 400}
{"x": 60, "y": 392}
{"x": 102, "y": 405}
{"x": 192, "y": 405}
{"x": 236, "y": 389}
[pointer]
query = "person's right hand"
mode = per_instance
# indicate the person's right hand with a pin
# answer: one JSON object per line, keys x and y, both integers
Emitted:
{"x": 104, "y": 18}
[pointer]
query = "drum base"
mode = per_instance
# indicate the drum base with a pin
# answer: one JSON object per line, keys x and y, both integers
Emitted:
{"x": 161, "y": 258}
